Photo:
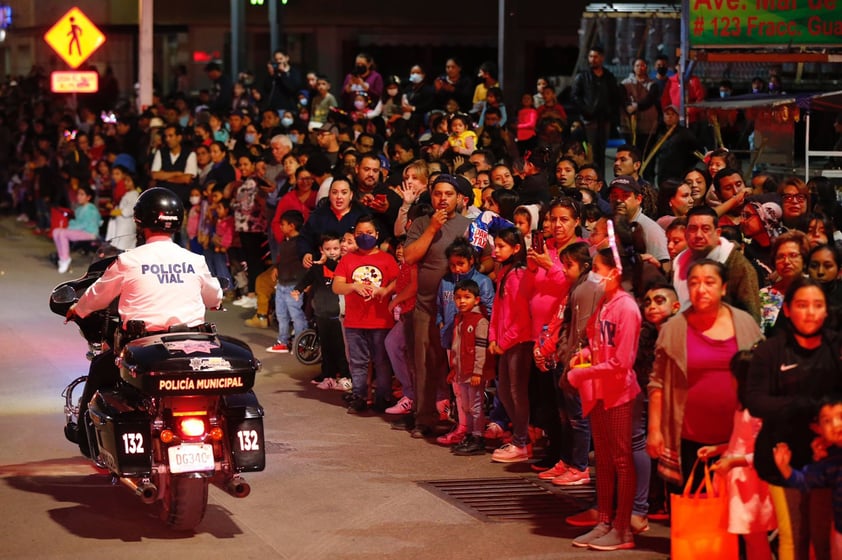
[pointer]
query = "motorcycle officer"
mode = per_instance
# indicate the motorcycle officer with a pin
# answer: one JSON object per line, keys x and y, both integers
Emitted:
{"x": 158, "y": 282}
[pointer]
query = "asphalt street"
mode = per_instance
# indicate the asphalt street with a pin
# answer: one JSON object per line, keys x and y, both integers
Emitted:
{"x": 336, "y": 485}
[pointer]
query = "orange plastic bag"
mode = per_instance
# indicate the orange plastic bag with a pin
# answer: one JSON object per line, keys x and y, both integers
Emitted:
{"x": 700, "y": 522}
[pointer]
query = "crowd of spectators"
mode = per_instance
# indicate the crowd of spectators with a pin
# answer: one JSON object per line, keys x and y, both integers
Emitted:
{"x": 454, "y": 243}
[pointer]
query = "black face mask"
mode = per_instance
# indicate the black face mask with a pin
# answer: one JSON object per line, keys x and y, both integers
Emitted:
{"x": 661, "y": 71}
{"x": 361, "y": 68}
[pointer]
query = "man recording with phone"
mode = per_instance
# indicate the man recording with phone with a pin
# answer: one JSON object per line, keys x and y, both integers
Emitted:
{"x": 282, "y": 83}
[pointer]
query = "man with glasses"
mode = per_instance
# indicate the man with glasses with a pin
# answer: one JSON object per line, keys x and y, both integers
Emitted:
{"x": 326, "y": 138}
{"x": 590, "y": 178}
{"x": 704, "y": 242}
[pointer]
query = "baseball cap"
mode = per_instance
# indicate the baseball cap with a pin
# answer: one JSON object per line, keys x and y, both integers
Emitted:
{"x": 626, "y": 183}
{"x": 437, "y": 138}
{"x": 672, "y": 108}
{"x": 328, "y": 127}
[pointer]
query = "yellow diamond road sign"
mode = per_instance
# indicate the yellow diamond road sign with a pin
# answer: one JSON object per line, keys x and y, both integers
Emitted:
{"x": 74, "y": 37}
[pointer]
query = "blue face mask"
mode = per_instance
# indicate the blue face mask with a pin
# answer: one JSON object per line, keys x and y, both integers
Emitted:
{"x": 365, "y": 241}
{"x": 251, "y": 138}
{"x": 183, "y": 121}
{"x": 293, "y": 138}
{"x": 303, "y": 101}
{"x": 415, "y": 78}
{"x": 286, "y": 122}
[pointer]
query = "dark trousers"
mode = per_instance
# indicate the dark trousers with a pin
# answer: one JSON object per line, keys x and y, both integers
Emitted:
{"x": 430, "y": 366}
{"x": 334, "y": 361}
{"x": 253, "y": 251}
{"x": 102, "y": 374}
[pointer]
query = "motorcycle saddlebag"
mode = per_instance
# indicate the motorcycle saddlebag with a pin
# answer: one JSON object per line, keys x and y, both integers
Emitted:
{"x": 244, "y": 425}
{"x": 123, "y": 434}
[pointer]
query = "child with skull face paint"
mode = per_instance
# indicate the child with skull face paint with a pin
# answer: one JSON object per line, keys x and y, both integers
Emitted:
{"x": 367, "y": 279}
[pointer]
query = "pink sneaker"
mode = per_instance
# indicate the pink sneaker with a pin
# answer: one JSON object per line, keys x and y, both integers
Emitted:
{"x": 453, "y": 437}
{"x": 510, "y": 453}
{"x": 573, "y": 477}
{"x": 494, "y": 431}
{"x": 559, "y": 469}
{"x": 443, "y": 408}
{"x": 403, "y": 406}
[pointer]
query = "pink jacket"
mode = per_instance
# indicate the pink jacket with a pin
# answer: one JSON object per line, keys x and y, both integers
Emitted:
{"x": 549, "y": 288}
{"x": 527, "y": 118}
{"x": 510, "y": 318}
{"x": 613, "y": 336}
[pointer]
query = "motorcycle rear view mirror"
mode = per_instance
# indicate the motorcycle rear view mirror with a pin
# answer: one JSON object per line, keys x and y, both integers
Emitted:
{"x": 64, "y": 294}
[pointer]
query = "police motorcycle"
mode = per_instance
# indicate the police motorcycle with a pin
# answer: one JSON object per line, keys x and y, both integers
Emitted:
{"x": 182, "y": 415}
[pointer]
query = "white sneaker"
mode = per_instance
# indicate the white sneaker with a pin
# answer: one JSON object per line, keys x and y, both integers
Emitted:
{"x": 403, "y": 406}
{"x": 63, "y": 265}
{"x": 344, "y": 384}
{"x": 246, "y": 302}
{"x": 327, "y": 383}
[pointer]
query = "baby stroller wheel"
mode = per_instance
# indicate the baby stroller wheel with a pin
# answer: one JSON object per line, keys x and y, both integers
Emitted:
{"x": 307, "y": 348}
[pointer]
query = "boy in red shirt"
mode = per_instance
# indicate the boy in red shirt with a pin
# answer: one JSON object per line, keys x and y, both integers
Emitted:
{"x": 367, "y": 278}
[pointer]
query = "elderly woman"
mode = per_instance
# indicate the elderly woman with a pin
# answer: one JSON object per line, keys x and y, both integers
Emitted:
{"x": 795, "y": 198}
{"x": 761, "y": 225}
{"x": 789, "y": 252}
{"x": 692, "y": 398}
{"x": 789, "y": 373}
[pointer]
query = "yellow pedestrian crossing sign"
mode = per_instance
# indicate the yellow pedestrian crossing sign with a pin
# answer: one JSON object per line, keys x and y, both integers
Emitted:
{"x": 74, "y": 37}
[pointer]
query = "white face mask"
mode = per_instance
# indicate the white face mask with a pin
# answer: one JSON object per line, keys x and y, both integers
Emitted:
{"x": 194, "y": 200}
{"x": 597, "y": 278}
{"x": 415, "y": 78}
{"x": 360, "y": 105}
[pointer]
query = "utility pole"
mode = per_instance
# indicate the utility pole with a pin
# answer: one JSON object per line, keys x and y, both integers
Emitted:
{"x": 145, "y": 18}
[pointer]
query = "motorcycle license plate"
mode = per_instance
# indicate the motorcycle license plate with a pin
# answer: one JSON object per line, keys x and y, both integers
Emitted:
{"x": 191, "y": 457}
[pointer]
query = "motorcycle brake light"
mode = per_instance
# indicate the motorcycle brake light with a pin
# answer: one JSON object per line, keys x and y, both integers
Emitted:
{"x": 191, "y": 426}
{"x": 167, "y": 436}
{"x": 216, "y": 433}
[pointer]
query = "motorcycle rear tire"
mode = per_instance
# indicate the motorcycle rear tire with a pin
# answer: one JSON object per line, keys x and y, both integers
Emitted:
{"x": 307, "y": 348}
{"x": 187, "y": 502}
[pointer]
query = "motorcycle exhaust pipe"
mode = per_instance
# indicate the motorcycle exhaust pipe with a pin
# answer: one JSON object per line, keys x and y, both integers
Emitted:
{"x": 238, "y": 487}
{"x": 145, "y": 490}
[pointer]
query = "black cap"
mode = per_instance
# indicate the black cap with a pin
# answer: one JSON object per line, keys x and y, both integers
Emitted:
{"x": 437, "y": 138}
{"x": 626, "y": 183}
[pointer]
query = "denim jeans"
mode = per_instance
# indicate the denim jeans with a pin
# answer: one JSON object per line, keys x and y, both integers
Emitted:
{"x": 218, "y": 265}
{"x": 575, "y": 449}
{"x": 642, "y": 461}
{"x": 513, "y": 388}
{"x": 286, "y": 310}
{"x": 402, "y": 363}
{"x": 364, "y": 346}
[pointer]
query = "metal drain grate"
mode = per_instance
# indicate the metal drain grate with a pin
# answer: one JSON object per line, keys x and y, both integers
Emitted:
{"x": 507, "y": 499}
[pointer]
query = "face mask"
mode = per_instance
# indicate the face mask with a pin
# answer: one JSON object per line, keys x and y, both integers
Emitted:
{"x": 415, "y": 78}
{"x": 772, "y": 86}
{"x": 286, "y": 122}
{"x": 251, "y": 138}
{"x": 596, "y": 278}
{"x": 303, "y": 101}
{"x": 359, "y": 105}
{"x": 723, "y": 94}
{"x": 293, "y": 138}
{"x": 661, "y": 71}
{"x": 365, "y": 241}
{"x": 220, "y": 136}
{"x": 392, "y": 92}
{"x": 361, "y": 68}
{"x": 183, "y": 121}
{"x": 194, "y": 200}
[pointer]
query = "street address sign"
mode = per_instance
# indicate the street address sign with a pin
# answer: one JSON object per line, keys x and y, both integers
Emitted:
{"x": 74, "y": 81}
{"x": 74, "y": 37}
